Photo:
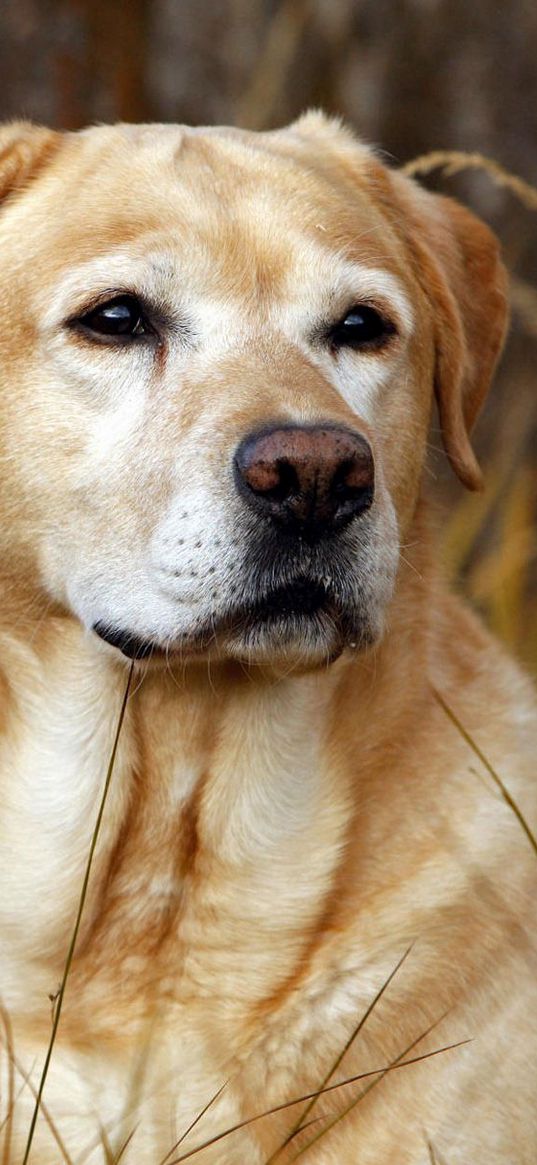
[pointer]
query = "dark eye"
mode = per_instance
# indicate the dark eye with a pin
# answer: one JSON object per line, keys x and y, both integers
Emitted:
{"x": 362, "y": 327}
{"x": 122, "y": 317}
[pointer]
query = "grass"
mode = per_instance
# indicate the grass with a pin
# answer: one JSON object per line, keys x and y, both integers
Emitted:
{"x": 453, "y": 162}
{"x": 375, "y": 1075}
{"x": 299, "y": 1123}
{"x": 508, "y": 798}
{"x": 434, "y": 1156}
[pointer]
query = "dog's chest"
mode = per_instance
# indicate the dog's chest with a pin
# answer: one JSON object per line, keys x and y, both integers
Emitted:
{"x": 203, "y": 897}
{"x": 211, "y": 892}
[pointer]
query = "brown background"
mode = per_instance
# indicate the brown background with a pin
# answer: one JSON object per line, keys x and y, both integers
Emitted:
{"x": 410, "y": 75}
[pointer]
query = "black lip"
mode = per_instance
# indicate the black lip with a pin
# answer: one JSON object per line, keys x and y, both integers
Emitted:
{"x": 130, "y": 645}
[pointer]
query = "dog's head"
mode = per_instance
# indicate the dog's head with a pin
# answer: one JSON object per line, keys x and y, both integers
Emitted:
{"x": 218, "y": 352}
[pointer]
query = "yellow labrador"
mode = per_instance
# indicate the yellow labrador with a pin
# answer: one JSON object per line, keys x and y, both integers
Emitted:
{"x": 218, "y": 358}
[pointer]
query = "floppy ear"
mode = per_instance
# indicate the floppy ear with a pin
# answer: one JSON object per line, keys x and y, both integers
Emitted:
{"x": 24, "y": 149}
{"x": 459, "y": 267}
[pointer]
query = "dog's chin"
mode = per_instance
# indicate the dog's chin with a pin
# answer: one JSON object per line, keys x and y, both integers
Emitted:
{"x": 300, "y": 641}
{"x": 299, "y": 629}
{"x": 303, "y": 642}
{"x": 291, "y": 645}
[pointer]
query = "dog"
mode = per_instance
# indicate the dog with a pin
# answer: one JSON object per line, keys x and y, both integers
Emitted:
{"x": 219, "y": 355}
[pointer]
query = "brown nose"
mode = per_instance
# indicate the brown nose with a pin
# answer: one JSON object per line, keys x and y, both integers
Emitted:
{"x": 310, "y": 479}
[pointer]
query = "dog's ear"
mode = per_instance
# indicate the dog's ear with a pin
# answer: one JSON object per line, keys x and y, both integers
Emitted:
{"x": 457, "y": 260}
{"x": 24, "y": 149}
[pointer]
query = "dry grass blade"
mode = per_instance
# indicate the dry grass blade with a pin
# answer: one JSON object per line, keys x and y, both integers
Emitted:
{"x": 399, "y": 1062}
{"x": 334, "y": 1067}
{"x": 455, "y": 161}
{"x": 27, "y": 1083}
{"x": 499, "y": 581}
{"x": 135, "y": 1086}
{"x": 524, "y": 301}
{"x": 331, "y": 1088}
{"x": 469, "y": 518}
{"x": 78, "y": 919}
{"x": 302, "y": 1128}
{"x": 273, "y": 67}
{"x": 434, "y": 1155}
{"x": 108, "y": 1152}
{"x": 193, "y": 1124}
{"x": 11, "y": 1108}
{"x": 125, "y": 1145}
{"x": 8, "y": 1123}
{"x": 510, "y": 801}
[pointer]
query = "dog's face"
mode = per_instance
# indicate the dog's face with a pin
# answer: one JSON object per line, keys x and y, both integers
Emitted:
{"x": 218, "y": 353}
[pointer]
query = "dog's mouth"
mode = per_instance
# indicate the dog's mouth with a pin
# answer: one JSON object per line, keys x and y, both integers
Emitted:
{"x": 298, "y": 599}
{"x": 301, "y": 606}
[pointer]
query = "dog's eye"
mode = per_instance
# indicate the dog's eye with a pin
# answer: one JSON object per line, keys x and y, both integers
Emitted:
{"x": 122, "y": 317}
{"x": 362, "y": 327}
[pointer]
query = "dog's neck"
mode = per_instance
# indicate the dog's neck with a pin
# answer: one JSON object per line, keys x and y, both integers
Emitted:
{"x": 226, "y": 800}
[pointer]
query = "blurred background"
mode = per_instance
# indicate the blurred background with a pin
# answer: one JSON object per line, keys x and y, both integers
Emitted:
{"x": 411, "y": 76}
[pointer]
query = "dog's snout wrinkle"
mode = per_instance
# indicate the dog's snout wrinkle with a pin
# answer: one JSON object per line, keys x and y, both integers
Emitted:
{"x": 307, "y": 478}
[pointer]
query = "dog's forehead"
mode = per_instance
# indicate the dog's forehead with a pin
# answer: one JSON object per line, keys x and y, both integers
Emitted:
{"x": 216, "y": 179}
{"x": 226, "y": 167}
{"x": 235, "y": 211}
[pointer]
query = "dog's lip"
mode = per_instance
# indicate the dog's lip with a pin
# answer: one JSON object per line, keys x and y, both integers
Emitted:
{"x": 302, "y": 598}
{"x": 133, "y": 646}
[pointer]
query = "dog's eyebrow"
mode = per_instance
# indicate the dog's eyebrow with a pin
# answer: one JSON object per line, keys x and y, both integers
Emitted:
{"x": 344, "y": 282}
{"x": 152, "y": 276}
{"x": 376, "y": 285}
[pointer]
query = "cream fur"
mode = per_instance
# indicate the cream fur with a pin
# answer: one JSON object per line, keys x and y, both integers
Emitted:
{"x": 280, "y": 828}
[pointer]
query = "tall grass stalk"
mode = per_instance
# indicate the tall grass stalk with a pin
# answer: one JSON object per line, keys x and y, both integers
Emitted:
{"x": 434, "y": 1156}
{"x": 28, "y": 1083}
{"x": 299, "y": 1123}
{"x": 456, "y": 161}
{"x": 398, "y": 1063}
{"x": 510, "y": 801}
{"x": 193, "y": 1123}
{"x": 8, "y": 1123}
{"x": 125, "y": 1145}
{"x": 81, "y": 903}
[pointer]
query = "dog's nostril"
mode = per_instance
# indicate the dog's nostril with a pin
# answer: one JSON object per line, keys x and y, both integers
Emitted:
{"x": 345, "y": 477}
{"x": 260, "y": 475}
{"x": 353, "y": 481}
{"x": 277, "y": 486}
{"x": 316, "y": 478}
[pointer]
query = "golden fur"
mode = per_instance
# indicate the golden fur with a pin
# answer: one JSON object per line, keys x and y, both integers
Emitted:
{"x": 280, "y": 829}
